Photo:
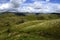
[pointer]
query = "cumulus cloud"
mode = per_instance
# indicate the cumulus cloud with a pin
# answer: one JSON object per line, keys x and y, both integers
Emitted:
{"x": 5, "y": 7}
{"x": 11, "y": 6}
{"x": 41, "y": 6}
{"x": 17, "y": 3}
{"x": 37, "y": 6}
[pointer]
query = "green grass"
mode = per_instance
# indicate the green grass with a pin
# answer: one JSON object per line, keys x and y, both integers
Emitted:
{"x": 51, "y": 27}
{"x": 46, "y": 29}
{"x": 30, "y": 37}
{"x": 26, "y": 24}
{"x": 33, "y": 27}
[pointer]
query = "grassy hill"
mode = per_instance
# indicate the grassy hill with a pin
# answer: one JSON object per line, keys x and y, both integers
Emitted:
{"x": 29, "y": 27}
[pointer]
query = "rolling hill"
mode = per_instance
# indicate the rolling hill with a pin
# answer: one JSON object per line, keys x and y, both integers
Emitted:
{"x": 13, "y": 27}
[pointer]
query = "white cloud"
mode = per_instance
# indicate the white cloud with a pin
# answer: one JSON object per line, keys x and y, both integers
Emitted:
{"x": 36, "y": 6}
{"x": 17, "y": 3}
{"x": 42, "y": 6}
{"x": 5, "y": 7}
{"x": 25, "y": 9}
{"x": 39, "y": 6}
{"x": 11, "y": 6}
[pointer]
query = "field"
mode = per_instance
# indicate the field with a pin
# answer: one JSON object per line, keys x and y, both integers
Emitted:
{"x": 29, "y": 27}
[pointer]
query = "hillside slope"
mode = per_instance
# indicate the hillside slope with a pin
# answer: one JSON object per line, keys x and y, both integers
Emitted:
{"x": 47, "y": 30}
{"x": 14, "y": 27}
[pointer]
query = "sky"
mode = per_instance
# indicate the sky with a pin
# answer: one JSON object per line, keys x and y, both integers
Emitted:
{"x": 37, "y": 6}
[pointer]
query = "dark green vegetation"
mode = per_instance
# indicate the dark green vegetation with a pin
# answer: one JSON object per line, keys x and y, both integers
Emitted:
{"x": 29, "y": 27}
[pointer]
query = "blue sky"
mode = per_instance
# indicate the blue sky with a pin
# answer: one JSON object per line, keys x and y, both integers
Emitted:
{"x": 29, "y": 1}
{"x": 4, "y": 1}
{"x": 53, "y": 1}
{"x": 45, "y": 6}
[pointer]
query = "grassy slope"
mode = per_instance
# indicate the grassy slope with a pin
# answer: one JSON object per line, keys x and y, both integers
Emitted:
{"x": 30, "y": 30}
{"x": 26, "y": 24}
{"x": 43, "y": 30}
